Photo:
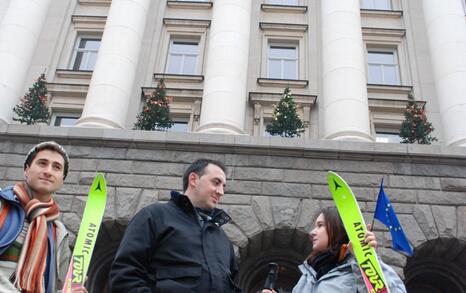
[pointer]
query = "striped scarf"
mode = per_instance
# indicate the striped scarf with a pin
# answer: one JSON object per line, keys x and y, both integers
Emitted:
{"x": 33, "y": 257}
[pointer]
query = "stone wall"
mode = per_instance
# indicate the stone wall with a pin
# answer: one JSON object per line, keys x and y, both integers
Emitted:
{"x": 274, "y": 186}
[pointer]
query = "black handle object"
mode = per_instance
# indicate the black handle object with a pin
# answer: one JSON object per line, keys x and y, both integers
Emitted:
{"x": 272, "y": 276}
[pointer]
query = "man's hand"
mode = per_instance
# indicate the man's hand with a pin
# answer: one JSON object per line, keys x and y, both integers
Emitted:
{"x": 268, "y": 291}
{"x": 369, "y": 239}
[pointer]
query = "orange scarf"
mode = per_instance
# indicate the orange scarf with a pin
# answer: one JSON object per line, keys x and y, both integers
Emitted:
{"x": 33, "y": 257}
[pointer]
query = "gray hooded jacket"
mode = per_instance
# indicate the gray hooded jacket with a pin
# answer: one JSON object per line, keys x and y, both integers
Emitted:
{"x": 345, "y": 278}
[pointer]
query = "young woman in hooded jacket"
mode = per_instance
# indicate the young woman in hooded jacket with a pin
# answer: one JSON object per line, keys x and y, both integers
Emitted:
{"x": 331, "y": 267}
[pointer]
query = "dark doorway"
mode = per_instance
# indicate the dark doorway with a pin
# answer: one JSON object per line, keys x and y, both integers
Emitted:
{"x": 438, "y": 266}
{"x": 108, "y": 240}
{"x": 287, "y": 248}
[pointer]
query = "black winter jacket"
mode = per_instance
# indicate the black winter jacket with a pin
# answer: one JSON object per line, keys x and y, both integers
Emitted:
{"x": 165, "y": 249}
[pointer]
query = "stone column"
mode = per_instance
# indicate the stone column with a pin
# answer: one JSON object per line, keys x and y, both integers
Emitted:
{"x": 109, "y": 92}
{"x": 446, "y": 32}
{"x": 346, "y": 112}
{"x": 19, "y": 35}
{"x": 225, "y": 93}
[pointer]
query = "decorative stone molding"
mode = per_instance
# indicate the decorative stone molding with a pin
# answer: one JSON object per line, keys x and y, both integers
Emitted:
{"x": 95, "y": 2}
{"x": 381, "y": 13}
{"x": 271, "y": 98}
{"x": 190, "y": 4}
{"x": 186, "y": 78}
{"x": 383, "y": 32}
{"x": 67, "y": 98}
{"x": 201, "y": 23}
{"x": 89, "y": 22}
{"x": 283, "y": 8}
{"x": 274, "y": 82}
{"x": 74, "y": 74}
{"x": 273, "y": 26}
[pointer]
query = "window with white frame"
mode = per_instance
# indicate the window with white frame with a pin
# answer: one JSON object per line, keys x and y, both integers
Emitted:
{"x": 182, "y": 57}
{"x": 382, "y": 67}
{"x": 282, "y": 61}
{"x": 376, "y": 4}
{"x": 387, "y": 137}
{"x": 85, "y": 53}
{"x": 179, "y": 125}
{"x": 282, "y": 2}
{"x": 64, "y": 119}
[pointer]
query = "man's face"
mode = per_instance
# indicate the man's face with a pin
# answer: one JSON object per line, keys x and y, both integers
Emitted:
{"x": 205, "y": 191}
{"x": 44, "y": 175}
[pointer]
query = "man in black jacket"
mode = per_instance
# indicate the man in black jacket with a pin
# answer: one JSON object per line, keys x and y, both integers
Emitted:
{"x": 179, "y": 246}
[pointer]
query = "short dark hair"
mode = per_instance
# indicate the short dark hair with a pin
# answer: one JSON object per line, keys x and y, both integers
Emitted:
{"x": 48, "y": 145}
{"x": 335, "y": 229}
{"x": 198, "y": 167}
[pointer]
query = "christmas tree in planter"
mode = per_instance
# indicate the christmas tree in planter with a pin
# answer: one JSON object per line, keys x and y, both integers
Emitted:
{"x": 415, "y": 127}
{"x": 32, "y": 108}
{"x": 285, "y": 119}
{"x": 155, "y": 113}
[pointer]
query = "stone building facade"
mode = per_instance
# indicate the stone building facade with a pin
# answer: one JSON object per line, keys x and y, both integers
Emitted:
{"x": 274, "y": 188}
{"x": 226, "y": 62}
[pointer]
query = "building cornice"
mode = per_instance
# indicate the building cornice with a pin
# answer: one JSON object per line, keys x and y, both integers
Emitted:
{"x": 244, "y": 144}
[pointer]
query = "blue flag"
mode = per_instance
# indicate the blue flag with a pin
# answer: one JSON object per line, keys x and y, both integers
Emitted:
{"x": 385, "y": 213}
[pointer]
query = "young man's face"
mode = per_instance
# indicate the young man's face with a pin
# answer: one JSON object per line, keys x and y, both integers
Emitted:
{"x": 205, "y": 191}
{"x": 44, "y": 175}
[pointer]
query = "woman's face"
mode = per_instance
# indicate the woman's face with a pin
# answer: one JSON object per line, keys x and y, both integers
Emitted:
{"x": 319, "y": 236}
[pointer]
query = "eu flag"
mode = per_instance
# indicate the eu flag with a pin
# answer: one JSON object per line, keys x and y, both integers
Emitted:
{"x": 385, "y": 213}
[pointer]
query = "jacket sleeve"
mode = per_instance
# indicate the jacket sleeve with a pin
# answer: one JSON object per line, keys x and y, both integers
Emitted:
{"x": 234, "y": 271}
{"x": 64, "y": 256}
{"x": 395, "y": 284}
{"x": 131, "y": 270}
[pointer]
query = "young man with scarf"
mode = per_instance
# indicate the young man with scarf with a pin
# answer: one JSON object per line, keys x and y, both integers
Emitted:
{"x": 179, "y": 246}
{"x": 34, "y": 252}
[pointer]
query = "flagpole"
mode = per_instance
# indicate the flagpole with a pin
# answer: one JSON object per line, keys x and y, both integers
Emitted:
{"x": 373, "y": 217}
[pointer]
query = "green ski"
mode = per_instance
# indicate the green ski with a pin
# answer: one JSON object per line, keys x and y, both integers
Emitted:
{"x": 87, "y": 236}
{"x": 355, "y": 227}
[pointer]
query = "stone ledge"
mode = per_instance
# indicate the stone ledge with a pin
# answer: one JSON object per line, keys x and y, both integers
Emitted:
{"x": 220, "y": 143}
{"x": 283, "y": 8}
{"x": 190, "y": 4}
{"x": 96, "y": 2}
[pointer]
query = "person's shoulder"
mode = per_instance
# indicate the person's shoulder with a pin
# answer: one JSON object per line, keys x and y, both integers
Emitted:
{"x": 7, "y": 194}
{"x": 59, "y": 224}
{"x": 156, "y": 208}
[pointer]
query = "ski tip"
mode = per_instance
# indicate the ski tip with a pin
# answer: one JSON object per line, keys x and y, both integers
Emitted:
{"x": 99, "y": 184}
{"x": 332, "y": 177}
{"x": 331, "y": 173}
{"x": 335, "y": 182}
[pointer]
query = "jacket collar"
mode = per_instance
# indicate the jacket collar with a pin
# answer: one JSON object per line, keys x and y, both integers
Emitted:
{"x": 8, "y": 195}
{"x": 219, "y": 216}
{"x": 307, "y": 269}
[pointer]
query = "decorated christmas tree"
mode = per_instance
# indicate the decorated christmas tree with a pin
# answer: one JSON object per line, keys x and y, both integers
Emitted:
{"x": 32, "y": 108}
{"x": 285, "y": 119}
{"x": 415, "y": 127}
{"x": 156, "y": 110}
